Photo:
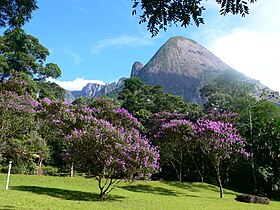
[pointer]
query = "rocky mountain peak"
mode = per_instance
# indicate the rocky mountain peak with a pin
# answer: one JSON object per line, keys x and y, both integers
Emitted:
{"x": 184, "y": 56}
{"x": 94, "y": 90}
{"x": 182, "y": 66}
{"x": 136, "y": 67}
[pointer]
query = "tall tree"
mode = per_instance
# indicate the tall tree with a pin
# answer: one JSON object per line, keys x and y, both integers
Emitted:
{"x": 219, "y": 141}
{"x": 19, "y": 137}
{"x": 266, "y": 145}
{"x": 175, "y": 142}
{"x": 23, "y": 53}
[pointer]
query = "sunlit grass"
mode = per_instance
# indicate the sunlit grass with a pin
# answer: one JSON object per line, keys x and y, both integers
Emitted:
{"x": 45, "y": 192}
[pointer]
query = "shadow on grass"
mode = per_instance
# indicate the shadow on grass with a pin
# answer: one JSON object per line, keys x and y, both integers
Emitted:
{"x": 150, "y": 189}
{"x": 183, "y": 185}
{"x": 66, "y": 194}
{"x": 197, "y": 186}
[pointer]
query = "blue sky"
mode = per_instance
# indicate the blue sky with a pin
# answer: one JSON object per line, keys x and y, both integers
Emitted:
{"x": 100, "y": 40}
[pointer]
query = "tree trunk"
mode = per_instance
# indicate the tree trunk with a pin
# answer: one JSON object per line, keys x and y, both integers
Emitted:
{"x": 200, "y": 172}
{"x": 252, "y": 142}
{"x": 221, "y": 188}
{"x": 176, "y": 170}
{"x": 218, "y": 176}
{"x": 106, "y": 187}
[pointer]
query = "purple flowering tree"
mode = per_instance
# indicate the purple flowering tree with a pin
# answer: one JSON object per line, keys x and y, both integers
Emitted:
{"x": 220, "y": 141}
{"x": 16, "y": 114}
{"x": 174, "y": 140}
{"x": 19, "y": 137}
{"x": 173, "y": 133}
{"x": 106, "y": 148}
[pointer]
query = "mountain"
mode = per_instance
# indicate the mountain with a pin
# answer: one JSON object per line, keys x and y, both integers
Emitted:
{"x": 93, "y": 90}
{"x": 182, "y": 67}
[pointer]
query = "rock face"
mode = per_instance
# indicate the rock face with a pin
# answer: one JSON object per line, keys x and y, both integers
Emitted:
{"x": 93, "y": 90}
{"x": 182, "y": 67}
{"x": 136, "y": 67}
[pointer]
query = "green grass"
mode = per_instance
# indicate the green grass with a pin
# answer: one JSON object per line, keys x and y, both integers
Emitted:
{"x": 45, "y": 192}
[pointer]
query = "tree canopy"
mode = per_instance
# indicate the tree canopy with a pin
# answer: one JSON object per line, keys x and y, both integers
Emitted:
{"x": 22, "y": 52}
{"x": 159, "y": 14}
{"x": 14, "y": 13}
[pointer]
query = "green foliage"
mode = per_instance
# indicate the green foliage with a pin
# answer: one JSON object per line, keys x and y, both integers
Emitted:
{"x": 20, "y": 83}
{"x": 50, "y": 70}
{"x": 265, "y": 144}
{"x": 258, "y": 123}
{"x": 102, "y": 102}
{"x": 24, "y": 166}
{"x": 19, "y": 137}
{"x": 50, "y": 90}
{"x": 161, "y": 14}
{"x": 23, "y": 53}
{"x": 14, "y": 13}
{"x": 50, "y": 170}
{"x": 226, "y": 91}
{"x": 143, "y": 100}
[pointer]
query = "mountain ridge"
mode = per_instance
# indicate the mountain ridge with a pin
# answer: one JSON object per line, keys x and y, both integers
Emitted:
{"x": 181, "y": 66}
{"x": 93, "y": 90}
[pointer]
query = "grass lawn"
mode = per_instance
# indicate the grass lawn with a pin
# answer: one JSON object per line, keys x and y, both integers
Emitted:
{"x": 46, "y": 192}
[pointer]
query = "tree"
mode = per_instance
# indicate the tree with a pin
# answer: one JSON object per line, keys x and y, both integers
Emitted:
{"x": 23, "y": 53}
{"x": 227, "y": 91}
{"x": 50, "y": 70}
{"x": 174, "y": 141}
{"x": 111, "y": 154}
{"x": 19, "y": 139}
{"x": 20, "y": 83}
{"x": 162, "y": 13}
{"x": 266, "y": 147}
{"x": 257, "y": 123}
{"x": 104, "y": 141}
{"x": 14, "y": 13}
{"x": 173, "y": 133}
{"x": 50, "y": 90}
{"x": 219, "y": 141}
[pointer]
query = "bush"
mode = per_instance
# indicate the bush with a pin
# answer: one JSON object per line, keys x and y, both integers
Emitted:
{"x": 50, "y": 170}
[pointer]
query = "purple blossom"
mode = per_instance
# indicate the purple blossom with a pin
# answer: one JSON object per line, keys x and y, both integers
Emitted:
{"x": 47, "y": 100}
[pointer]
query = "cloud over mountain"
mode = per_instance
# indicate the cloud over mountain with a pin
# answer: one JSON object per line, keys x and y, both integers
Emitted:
{"x": 76, "y": 84}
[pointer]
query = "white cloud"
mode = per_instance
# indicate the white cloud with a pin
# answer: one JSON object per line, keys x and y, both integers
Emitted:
{"x": 253, "y": 48}
{"x": 121, "y": 41}
{"x": 76, "y": 84}
{"x": 256, "y": 54}
{"x": 81, "y": 9}
{"x": 77, "y": 58}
